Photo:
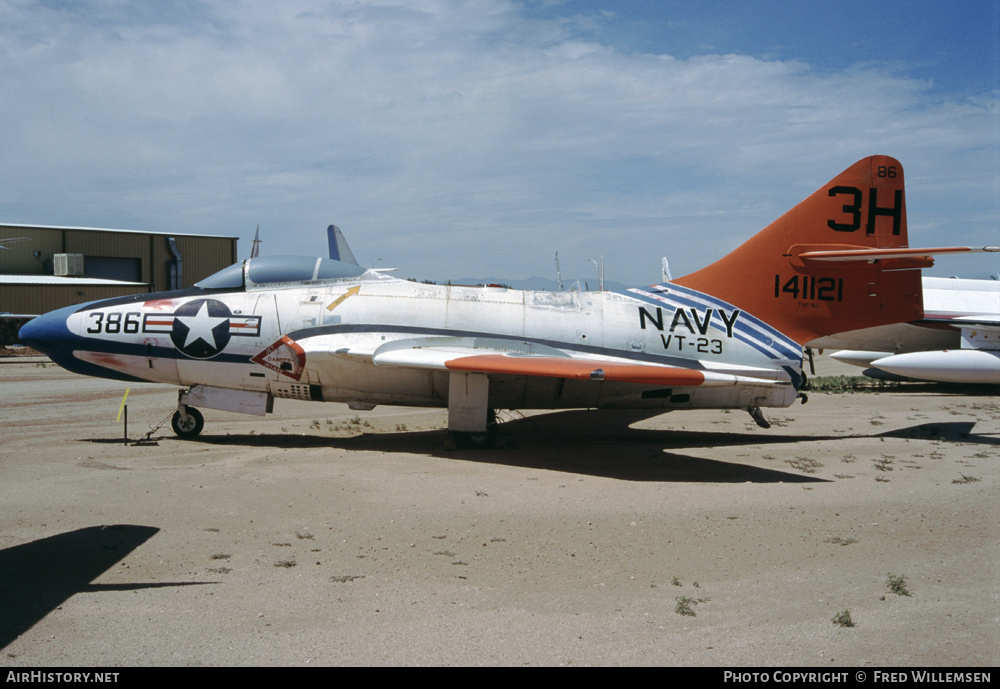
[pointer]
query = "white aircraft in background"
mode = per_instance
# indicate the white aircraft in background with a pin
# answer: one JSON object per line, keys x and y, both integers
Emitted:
{"x": 728, "y": 336}
{"x": 957, "y": 340}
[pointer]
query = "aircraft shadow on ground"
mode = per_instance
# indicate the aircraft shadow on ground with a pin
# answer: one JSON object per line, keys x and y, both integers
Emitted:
{"x": 598, "y": 443}
{"x": 952, "y": 432}
{"x": 38, "y": 577}
{"x": 576, "y": 441}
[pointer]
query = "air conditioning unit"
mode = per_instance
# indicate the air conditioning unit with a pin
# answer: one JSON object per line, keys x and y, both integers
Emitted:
{"x": 68, "y": 265}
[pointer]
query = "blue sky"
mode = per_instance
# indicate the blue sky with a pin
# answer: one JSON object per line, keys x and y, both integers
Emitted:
{"x": 479, "y": 137}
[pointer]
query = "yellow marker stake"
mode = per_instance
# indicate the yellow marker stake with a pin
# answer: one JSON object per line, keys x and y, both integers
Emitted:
{"x": 339, "y": 300}
{"x": 124, "y": 397}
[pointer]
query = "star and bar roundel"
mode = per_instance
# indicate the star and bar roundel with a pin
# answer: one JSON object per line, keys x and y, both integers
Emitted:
{"x": 201, "y": 328}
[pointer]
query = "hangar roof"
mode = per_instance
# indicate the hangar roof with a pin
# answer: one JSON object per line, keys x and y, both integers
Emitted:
{"x": 55, "y": 280}
{"x": 13, "y": 225}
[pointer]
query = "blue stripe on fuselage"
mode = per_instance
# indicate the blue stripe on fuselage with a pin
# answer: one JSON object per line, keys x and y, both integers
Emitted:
{"x": 748, "y": 327}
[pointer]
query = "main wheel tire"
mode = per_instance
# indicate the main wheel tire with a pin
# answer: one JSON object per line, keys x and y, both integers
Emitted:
{"x": 461, "y": 440}
{"x": 187, "y": 424}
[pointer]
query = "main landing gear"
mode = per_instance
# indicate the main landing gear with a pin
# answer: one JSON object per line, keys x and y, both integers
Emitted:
{"x": 466, "y": 440}
{"x": 187, "y": 422}
{"x": 471, "y": 421}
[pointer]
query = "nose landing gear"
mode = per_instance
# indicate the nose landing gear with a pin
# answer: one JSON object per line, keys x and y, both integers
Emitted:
{"x": 187, "y": 422}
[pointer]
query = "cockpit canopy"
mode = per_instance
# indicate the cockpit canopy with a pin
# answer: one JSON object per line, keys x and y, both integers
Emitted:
{"x": 272, "y": 270}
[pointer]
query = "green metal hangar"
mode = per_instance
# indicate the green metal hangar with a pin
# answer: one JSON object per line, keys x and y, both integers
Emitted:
{"x": 44, "y": 268}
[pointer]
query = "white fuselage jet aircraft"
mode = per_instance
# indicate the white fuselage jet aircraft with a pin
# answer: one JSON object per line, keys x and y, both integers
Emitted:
{"x": 727, "y": 336}
{"x": 957, "y": 340}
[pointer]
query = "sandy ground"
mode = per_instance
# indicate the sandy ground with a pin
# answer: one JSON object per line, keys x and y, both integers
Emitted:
{"x": 325, "y": 536}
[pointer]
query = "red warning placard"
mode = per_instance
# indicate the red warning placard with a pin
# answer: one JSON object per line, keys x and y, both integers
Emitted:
{"x": 284, "y": 356}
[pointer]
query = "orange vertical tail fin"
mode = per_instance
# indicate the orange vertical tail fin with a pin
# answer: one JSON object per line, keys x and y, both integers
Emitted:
{"x": 779, "y": 276}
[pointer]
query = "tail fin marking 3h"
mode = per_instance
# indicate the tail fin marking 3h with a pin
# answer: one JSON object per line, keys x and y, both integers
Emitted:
{"x": 774, "y": 277}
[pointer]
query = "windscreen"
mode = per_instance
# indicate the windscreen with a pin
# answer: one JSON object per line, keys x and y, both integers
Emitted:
{"x": 275, "y": 269}
{"x": 230, "y": 278}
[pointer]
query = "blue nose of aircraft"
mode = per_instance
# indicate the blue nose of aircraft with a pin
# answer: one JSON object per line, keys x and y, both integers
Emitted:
{"x": 48, "y": 333}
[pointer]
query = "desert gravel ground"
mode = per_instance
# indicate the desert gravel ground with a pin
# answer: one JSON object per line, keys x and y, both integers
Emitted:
{"x": 325, "y": 536}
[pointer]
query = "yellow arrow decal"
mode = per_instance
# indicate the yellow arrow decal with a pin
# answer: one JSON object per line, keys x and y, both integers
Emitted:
{"x": 337, "y": 302}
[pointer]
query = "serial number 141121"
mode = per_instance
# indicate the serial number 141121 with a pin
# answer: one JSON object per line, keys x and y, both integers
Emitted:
{"x": 806, "y": 287}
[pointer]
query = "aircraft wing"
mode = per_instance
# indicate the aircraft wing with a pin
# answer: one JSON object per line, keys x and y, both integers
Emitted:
{"x": 506, "y": 357}
{"x": 986, "y": 321}
{"x": 976, "y": 361}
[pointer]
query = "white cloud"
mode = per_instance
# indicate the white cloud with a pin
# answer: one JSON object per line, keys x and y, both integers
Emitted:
{"x": 450, "y": 138}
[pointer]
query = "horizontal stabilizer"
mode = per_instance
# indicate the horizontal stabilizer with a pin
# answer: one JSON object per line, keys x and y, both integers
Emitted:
{"x": 880, "y": 254}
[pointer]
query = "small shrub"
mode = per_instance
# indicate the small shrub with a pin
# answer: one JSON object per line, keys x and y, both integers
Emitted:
{"x": 684, "y": 606}
{"x": 897, "y": 585}
{"x": 843, "y": 619}
{"x": 965, "y": 479}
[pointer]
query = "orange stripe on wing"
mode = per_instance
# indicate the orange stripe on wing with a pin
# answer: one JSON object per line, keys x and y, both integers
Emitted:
{"x": 579, "y": 369}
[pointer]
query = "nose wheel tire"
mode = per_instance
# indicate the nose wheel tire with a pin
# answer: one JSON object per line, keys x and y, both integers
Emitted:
{"x": 188, "y": 423}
